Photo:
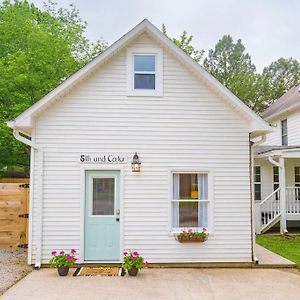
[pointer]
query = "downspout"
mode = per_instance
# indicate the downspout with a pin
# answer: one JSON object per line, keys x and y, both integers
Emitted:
{"x": 262, "y": 140}
{"x": 40, "y": 153}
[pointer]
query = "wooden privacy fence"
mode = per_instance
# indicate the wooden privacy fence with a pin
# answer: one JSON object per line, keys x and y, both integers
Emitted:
{"x": 14, "y": 201}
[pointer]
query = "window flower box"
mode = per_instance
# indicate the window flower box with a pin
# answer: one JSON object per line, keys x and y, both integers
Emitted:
{"x": 192, "y": 236}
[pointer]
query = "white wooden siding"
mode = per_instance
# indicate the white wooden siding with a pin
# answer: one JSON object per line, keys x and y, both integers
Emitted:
{"x": 293, "y": 127}
{"x": 274, "y": 138}
{"x": 189, "y": 127}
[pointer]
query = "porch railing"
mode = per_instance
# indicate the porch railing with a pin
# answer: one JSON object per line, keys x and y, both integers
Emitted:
{"x": 269, "y": 209}
{"x": 292, "y": 195}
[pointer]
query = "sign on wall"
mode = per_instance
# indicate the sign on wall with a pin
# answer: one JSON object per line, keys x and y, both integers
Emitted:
{"x": 102, "y": 159}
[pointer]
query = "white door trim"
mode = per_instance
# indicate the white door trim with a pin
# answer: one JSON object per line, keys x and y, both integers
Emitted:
{"x": 82, "y": 208}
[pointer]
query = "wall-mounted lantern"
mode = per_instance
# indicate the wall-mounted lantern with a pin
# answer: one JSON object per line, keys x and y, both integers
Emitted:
{"x": 136, "y": 163}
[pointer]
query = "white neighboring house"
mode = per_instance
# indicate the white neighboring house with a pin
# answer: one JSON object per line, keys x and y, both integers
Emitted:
{"x": 277, "y": 166}
{"x": 142, "y": 95}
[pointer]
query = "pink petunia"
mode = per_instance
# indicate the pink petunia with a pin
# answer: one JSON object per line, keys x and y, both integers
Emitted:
{"x": 75, "y": 259}
{"x": 135, "y": 253}
{"x": 69, "y": 257}
{"x": 125, "y": 253}
{"x": 53, "y": 253}
{"x": 73, "y": 251}
{"x": 204, "y": 229}
{"x": 190, "y": 230}
{"x": 62, "y": 252}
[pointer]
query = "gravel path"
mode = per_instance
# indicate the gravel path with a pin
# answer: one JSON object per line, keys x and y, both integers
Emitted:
{"x": 13, "y": 267}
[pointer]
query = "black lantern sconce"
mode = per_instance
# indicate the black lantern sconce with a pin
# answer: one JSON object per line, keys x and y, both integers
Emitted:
{"x": 136, "y": 163}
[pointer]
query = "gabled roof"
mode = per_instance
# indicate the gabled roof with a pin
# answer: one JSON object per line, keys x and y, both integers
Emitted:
{"x": 289, "y": 101}
{"x": 24, "y": 121}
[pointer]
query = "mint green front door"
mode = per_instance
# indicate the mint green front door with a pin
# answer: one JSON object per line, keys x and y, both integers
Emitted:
{"x": 102, "y": 216}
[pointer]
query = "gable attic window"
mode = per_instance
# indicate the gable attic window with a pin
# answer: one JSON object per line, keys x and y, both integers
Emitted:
{"x": 144, "y": 72}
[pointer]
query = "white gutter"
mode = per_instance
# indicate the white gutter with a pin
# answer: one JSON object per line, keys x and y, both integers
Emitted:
{"x": 40, "y": 172}
{"x": 262, "y": 140}
{"x": 274, "y": 162}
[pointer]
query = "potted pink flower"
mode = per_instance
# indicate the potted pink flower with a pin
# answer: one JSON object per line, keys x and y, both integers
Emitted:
{"x": 192, "y": 236}
{"x": 133, "y": 262}
{"x": 63, "y": 261}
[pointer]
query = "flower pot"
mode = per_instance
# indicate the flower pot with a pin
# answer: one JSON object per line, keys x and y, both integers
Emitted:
{"x": 133, "y": 271}
{"x": 192, "y": 239}
{"x": 63, "y": 271}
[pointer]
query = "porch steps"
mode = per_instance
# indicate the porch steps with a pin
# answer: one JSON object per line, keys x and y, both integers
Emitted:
{"x": 274, "y": 221}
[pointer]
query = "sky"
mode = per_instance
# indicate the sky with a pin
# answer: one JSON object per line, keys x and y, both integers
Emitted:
{"x": 269, "y": 29}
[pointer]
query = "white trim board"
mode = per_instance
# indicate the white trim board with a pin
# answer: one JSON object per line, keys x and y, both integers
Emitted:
{"x": 257, "y": 125}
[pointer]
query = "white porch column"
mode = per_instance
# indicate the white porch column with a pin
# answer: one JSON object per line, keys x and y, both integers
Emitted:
{"x": 282, "y": 184}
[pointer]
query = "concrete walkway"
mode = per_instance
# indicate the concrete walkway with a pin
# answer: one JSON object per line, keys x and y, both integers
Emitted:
{"x": 161, "y": 284}
{"x": 268, "y": 258}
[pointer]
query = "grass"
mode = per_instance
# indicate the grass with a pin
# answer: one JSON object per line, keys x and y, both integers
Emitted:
{"x": 287, "y": 246}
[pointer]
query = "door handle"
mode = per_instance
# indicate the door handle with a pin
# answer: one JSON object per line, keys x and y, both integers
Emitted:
{"x": 118, "y": 215}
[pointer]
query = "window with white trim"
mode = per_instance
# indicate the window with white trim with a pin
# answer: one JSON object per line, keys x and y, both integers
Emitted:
{"x": 276, "y": 180}
{"x": 190, "y": 202}
{"x": 144, "y": 72}
{"x": 297, "y": 182}
{"x": 257, "y": 183}
{"x": 284, "y": 133}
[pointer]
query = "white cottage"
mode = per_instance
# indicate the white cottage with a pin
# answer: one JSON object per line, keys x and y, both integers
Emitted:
{"x": 142, "y": 95}
{"x": 277, "y": 166}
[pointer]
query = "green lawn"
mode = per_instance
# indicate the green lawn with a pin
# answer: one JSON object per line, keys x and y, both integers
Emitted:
{"x": 286, "y": 246}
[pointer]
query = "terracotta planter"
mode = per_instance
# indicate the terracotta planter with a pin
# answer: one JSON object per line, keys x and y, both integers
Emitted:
{"x": 191, "y": 239}
{"x": 63, "y": 271}
{"x": 133, "y": 271}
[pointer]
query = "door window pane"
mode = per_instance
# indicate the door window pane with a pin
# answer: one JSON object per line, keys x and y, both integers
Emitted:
{"x": 103, "y": 196}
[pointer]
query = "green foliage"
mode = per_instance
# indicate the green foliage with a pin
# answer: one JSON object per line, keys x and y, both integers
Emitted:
{"x": 184, "y": 42}
{"x": 286, "y": 246}
{"x": 281, "y": 76}
{"x": 132, "y": 259}
{"x": 38, "y": 50}
{"x": 229, "y": 62}
{"x": 62, "y": 259}
{"x": 232, "y": 66}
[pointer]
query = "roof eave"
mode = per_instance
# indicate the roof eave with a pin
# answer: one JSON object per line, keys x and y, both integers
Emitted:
{"x": 257, "y": 123}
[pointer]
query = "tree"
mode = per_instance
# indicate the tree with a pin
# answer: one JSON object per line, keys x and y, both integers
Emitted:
{"x": 39, "y": 48}
{"x": 232, "y": 66}
{"x": 184, "y": 42}
{"x": 281, "y": 76}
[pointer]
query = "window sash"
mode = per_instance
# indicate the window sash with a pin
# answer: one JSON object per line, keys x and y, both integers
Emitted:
{"x": 203, "y": 205}
{"x": 284, "y": 132}
{"x": 139, "y": 72}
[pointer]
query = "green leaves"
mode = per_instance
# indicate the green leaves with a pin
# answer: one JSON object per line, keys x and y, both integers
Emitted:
{"x": 282, "y": 75}
{"x": 184, "y": 42}
{"x": 38, "y": 50}
{"x": 229, "y": 62}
